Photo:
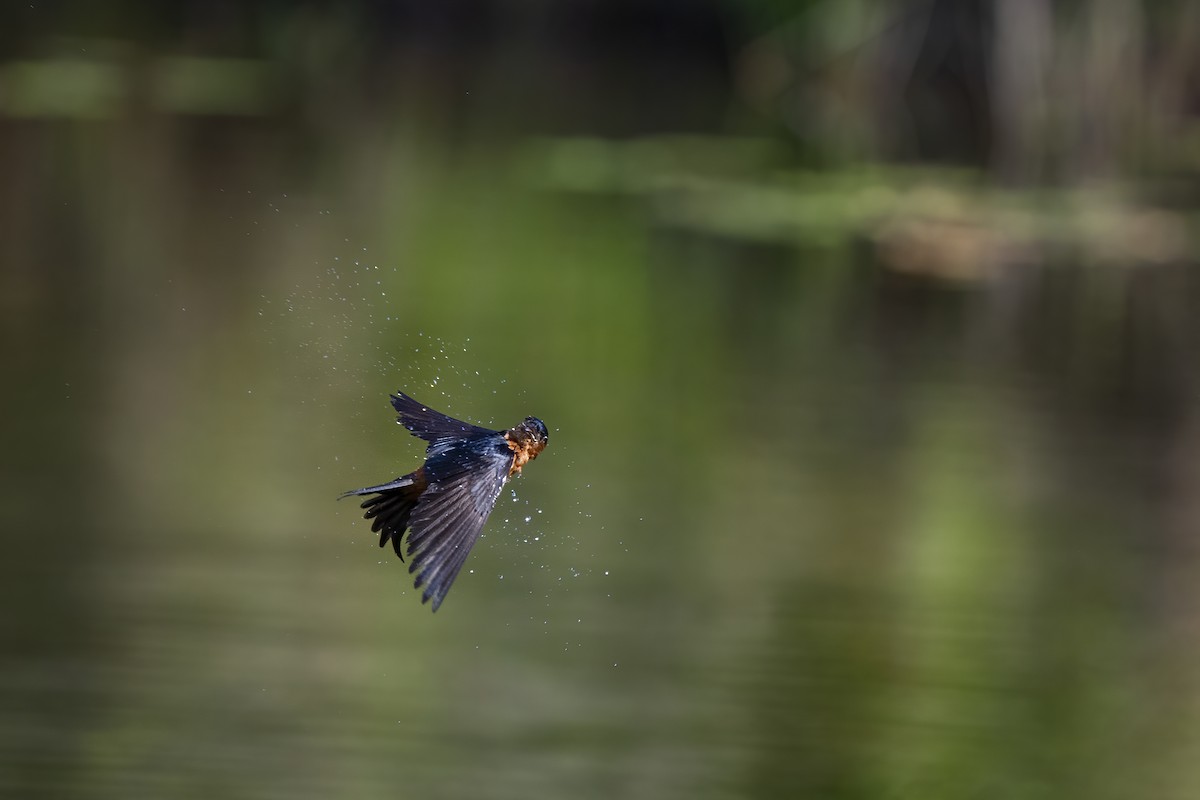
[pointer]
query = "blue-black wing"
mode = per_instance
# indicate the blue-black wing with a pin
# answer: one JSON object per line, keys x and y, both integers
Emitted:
{"x": 465, "y": 479}
{"x": 433, "y": 426}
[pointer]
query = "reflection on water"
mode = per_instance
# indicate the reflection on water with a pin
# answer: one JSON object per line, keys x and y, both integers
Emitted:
{"x": 806, "y": 527}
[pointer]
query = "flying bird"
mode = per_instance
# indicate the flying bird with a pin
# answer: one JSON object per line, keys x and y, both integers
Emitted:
{"x": 446, "y": 501}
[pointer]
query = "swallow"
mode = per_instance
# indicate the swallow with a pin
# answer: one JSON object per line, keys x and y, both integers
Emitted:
{"x": 446, "y": 501}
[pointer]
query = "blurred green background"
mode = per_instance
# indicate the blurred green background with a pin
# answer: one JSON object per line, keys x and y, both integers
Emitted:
{"x": 865, "y": 331}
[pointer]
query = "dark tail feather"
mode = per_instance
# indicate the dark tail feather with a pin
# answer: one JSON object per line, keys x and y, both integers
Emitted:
{"x": 391, "y": 506}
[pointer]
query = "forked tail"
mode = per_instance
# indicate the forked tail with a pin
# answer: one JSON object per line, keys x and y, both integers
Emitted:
{"x": 390, "y": 507}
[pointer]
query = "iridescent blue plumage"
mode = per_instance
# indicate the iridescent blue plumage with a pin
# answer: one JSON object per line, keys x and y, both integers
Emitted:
{"x": 446, "y": 502}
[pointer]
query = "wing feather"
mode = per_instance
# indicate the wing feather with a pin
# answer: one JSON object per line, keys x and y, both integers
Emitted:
{"x": 452, "y": 565}
{"x": 465, "y": 481}
{"x": 426, "y": 541}
{"x": 433, "y": 426}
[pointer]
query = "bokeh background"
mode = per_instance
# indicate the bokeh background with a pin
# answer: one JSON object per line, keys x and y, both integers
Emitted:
{"x": 866, "y": 332}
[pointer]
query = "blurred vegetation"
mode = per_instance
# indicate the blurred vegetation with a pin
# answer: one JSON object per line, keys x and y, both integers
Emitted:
{"x": 865, "y": 332}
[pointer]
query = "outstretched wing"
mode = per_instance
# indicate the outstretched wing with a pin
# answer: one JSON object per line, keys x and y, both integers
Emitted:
{"x": 464, "y": 481}
{"x": 433, "y": 426}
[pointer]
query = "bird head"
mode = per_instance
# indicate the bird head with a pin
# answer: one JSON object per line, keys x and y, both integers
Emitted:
{"x": 531, "y": 434}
